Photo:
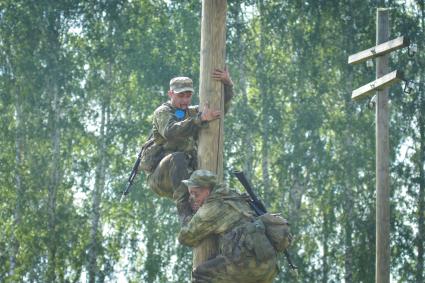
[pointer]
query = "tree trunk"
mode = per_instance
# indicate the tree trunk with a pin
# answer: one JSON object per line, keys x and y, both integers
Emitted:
{"x": 421, "y": 198}
{"x": 210, "y": 150}
{"x": 17, "y": 213}
{"x": 54, "y": 183}
{"x": 347, "y": 79}
{"x": 263, "y": 87}
{"x": 325, "y": 232}
{"x": 348, "y": 195}
{"x": 296, "y": 194}
{"x": 348, "y": 241}
{"x": 53, "y": 23}
{"x": 99, "y": 186}
{"x": 96, "y": 199}
{"x": 421, "y": 165}
{"x": 247, "y": 145}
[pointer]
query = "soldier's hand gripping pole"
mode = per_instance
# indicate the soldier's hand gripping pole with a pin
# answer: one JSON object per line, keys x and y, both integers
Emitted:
{"x": 132, "y": 175}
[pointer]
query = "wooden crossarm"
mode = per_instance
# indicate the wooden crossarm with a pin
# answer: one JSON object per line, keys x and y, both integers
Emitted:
{"x": 379, "y": 50}
{"x": 378, "y": 84}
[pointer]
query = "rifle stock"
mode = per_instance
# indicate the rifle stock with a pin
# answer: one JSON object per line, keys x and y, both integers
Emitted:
{"x": 257, "y": 203}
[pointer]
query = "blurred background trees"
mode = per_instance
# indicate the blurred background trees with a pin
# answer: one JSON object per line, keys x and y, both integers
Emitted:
{"x": 79, "y": 81}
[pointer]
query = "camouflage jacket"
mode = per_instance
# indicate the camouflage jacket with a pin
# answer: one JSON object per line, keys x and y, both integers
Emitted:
{"x": 181, "y": 135}
{"x": 227, "y": 214}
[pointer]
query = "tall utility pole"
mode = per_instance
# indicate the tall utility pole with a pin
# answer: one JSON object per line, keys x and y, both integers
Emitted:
{"x": 383, "y": 81}
{"x": 210, "y": 148}
{"x": 382, "y": 273}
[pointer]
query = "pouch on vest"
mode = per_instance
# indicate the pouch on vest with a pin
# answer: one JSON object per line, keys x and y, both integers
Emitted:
{"x": 277, "y": 230}
{"x": 247, "y": 240}
{"x": 258, "y": 240}
{"x": 152, "y": 154}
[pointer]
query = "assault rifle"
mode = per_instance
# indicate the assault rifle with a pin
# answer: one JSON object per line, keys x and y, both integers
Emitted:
{"x": 258, "y": 206}
{"x": 136, "y": 166}
{"x": 132, "y": 175}
{"x": 254, "y": 202}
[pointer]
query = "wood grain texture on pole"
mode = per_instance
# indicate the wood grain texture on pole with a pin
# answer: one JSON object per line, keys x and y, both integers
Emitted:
{"x": 210, "y": 147}
{"x": 382, "y": 158}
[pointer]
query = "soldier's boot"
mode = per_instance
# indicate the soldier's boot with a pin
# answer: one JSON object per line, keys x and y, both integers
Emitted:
{"x": 180, "y": 171}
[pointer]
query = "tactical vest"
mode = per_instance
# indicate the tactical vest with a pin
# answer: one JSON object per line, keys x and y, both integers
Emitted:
{"x": 157, "y": 146}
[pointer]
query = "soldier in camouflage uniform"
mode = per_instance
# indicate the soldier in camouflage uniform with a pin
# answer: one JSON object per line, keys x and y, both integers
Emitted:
{"x": 245, "y": 253}
{"x": 175, "y": 126}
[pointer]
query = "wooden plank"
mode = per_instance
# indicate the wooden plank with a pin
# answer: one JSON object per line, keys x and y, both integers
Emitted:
{"x": 378, "y": 84}
{"x": 379, "y": 50}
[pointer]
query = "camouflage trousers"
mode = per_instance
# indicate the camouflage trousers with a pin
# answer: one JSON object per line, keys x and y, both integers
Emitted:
{"x": 166, "y": 181}
{"x": 222, "y": 270}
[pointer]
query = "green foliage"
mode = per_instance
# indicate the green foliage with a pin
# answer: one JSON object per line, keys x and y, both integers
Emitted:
{"x": 79, "y": 81}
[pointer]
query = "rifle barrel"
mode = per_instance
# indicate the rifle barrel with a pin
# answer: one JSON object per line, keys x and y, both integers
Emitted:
{"x": 132, "y": 175}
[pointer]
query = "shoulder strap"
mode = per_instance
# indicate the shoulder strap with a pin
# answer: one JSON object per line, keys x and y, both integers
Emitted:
{"x": 148, "y": 142}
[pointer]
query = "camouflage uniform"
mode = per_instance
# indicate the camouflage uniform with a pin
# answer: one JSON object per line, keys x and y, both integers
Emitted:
{"x": 179, "y": 137}
{"x": 245, "y": 253}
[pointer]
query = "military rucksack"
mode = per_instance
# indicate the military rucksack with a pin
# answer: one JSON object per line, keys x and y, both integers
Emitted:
{"x": 277, "y": 231}
{"x": 246, "y": 240}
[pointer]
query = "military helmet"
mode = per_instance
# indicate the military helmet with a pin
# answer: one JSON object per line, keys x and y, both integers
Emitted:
{"x": 201, "y": 178}
{"x": 181, "y": 84}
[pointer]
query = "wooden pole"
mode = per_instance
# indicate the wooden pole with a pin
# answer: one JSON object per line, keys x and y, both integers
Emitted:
{"x": 210, "y": 148}
{"x": 382, "y": 155}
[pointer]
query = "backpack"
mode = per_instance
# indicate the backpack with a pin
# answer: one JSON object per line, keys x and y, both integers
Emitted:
{"x": 152, "y": 153}
{"x": 277, "y": 230}
{"x": 246, "y": 240}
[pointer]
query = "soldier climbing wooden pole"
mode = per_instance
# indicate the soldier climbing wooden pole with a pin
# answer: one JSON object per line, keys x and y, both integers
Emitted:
{"x": 210, "y": 148}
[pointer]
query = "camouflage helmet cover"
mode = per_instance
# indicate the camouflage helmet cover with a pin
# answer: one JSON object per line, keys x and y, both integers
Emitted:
{"x": 201, "y": 178}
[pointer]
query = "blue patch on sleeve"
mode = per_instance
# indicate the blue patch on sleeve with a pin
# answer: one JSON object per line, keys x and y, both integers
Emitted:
{"x": 180, "y": 114}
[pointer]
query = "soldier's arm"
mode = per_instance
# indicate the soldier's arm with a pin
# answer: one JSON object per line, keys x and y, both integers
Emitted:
{"x": 169, "y": 127}
{"x": 228, "y": 94}
{"x": 224, "y": 77}
{"x": 212, "y": 218}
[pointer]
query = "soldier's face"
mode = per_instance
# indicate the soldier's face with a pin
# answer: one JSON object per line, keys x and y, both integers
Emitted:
{"x": 197, "y": 196}
{"x": 180, "y": 100}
